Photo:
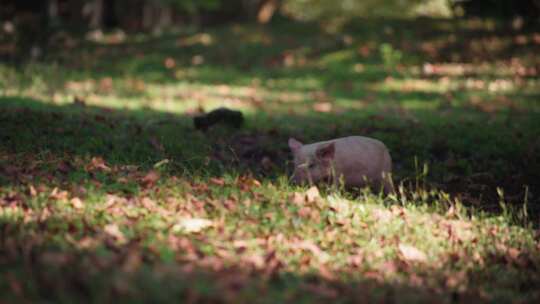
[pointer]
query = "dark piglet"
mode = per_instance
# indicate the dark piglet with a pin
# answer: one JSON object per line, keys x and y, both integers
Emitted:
{"x": 219, "y": 116}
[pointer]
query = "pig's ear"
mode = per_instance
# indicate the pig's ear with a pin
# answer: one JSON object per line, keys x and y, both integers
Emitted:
{"x": 294, "y": 144}
{"x": 326, "y": 152}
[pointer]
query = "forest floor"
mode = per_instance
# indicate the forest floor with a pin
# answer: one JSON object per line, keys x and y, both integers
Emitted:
{"x": 108, "y": 194}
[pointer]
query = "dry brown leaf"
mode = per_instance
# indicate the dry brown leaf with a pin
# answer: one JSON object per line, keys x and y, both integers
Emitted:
{"x": 304, "y": 212}
{"x": 97, "y": 163}
{"x": 150, "y": 178}
{"x": 230, "y": 203}
{"x": 312, "y": 194}
{"x": 148, "y": 203}
{"x": 217, "y": 181}
{"x": 58, "y": 194}
{"x": 113, "y": 231}
{"x": 169, "y": 63}
{"x": 87, "y": 243}
{"x": 245, "y": 183}
{"x": 112, "y": 200}
{"x": 298, "y": 199}
{"x": 411, "y": 253}
{"x": 32, "y": 190}
{"x": 79, "y": 101}
{"x": 255, "y": 182}
{"x": 382, "y": 215}
{"x": 320, "y": 254}
{"x": 388, "y": 267}
{"x": 455, "y": 280}
{"x": 356, "y": 260}
{"x": 513, "y": 253}
{"x": 191, "y": 225}
{"x": 322, "y": 107}
{"x": 76, "y": 203}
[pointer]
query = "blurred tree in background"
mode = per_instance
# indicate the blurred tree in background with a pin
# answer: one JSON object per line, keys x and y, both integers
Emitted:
{"x": 529, "y": 10}
{"x": 346, "y": 9}
{"x": 27, "y": 23}
{"x": 151, "y": 14}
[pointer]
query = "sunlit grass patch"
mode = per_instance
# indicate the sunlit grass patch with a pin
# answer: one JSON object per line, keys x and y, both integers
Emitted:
{"x": 239, "y": 223}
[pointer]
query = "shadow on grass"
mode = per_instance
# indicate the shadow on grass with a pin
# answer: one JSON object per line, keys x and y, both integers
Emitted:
{"x": 112, "y": 273}
{"x": 469, "y": 154}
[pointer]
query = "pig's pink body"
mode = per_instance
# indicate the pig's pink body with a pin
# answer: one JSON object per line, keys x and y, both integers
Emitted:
{"x": 358, "y": 161}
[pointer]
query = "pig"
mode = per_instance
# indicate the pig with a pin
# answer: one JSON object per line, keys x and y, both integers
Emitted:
{"x": 356, "y": 161}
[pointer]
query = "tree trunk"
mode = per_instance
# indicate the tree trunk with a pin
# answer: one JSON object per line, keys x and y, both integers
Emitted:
{"x": 52, "y": 10}
{"x": 267, "y": 9}
{"x": 110, "y": 14}
{"x": 165, "y": 18}
{"x": 96, "y": 17}
{"x": 148, "y": 16}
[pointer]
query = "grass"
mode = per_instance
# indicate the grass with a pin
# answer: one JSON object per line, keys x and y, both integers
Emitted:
{"x": 108, "y": 194}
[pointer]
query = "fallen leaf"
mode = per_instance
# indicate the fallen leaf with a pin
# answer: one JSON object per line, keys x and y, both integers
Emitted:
{"x": 382, "y": 215}
{"x": 230, "y": 204}
{"x": 113, "y": 231}
{"x": 356, "y": 260}
{"x": 112, "y": 200}
{"x": 148, "y": 203}
{"x": 255, "y": 182}
{"x": 455, "y": 280}
{"x": 312, "y": 194}
{"x": 411, "y": 253}
{"x": 513, "y": 253}
{"x": 97, "y": 163}
{"x": 58, "y": 194}
{"x": 106, "y": 84}
{"x": 79, "y": 101}
{"x": 191, "y": 225}
{"x": 322, "y": 107}
{"x": 256, "y": 260}
{"x": 298, "y": 199}
{"x": 87, "y": 243}
{"x": 388, "y": 267}
{"x": 169, "y": 63}
{"x": 32, "y": 190}
{"x": 150, "y": 178}
{"x": 76, "y": 203}
{"x": 309, "y": 246}
{"x": 246, "y": 183}
{"x": 304, "y": 212}
{"x": 217, "y": 181}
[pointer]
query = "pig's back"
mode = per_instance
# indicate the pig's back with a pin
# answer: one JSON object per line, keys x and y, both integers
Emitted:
{"x": 362, "y": 155}
{"x": 361, "y": 145}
